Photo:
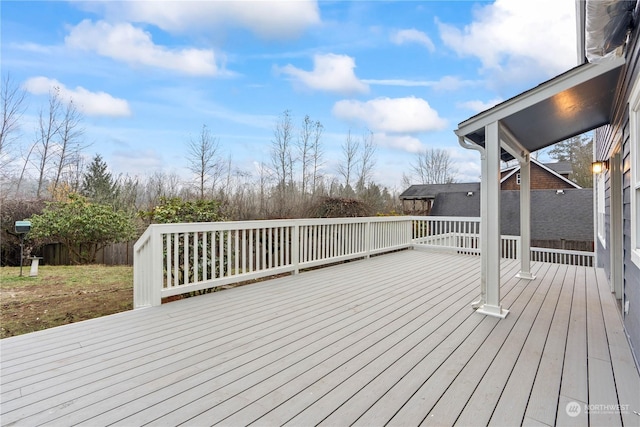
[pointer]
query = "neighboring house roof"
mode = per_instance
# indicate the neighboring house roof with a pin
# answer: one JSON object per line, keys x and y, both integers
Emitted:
{"x": 430, "y": 191}
{"x": 563, "y": 168}
{"x": 546, "y": 167}
{"x": 555, "y": 214}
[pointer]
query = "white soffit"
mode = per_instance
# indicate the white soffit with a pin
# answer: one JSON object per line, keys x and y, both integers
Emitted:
{"x": 567, "y": 105}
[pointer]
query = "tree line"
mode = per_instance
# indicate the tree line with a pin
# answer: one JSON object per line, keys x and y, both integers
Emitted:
{"x": 55, "y": 161}
{"x": 76, "y": 200}
{"x": 53, "y": 168}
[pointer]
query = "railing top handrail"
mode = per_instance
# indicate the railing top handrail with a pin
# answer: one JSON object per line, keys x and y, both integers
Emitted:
{"x": 304, "y": 221}
{"x": 446, "y": 218}
{"x": 187, "y": 227}
{"x": 563, "y": 251}
{"x": 142, "y": 239}
{"x": 282, "y": 222}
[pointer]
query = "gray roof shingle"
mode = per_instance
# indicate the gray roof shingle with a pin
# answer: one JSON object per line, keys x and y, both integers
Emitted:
{"x": 563, "y": 168}
{"x": 430, "y": 191}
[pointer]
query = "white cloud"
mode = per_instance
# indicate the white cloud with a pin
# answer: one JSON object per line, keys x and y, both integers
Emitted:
{"x": 33, "y": 48}
{"x": 89, "y": 103}
{"x": 399, "y": 82}
{"x": 523, "y": 38}
{"x": 393, "y": 115}
{"x": 268, "y": 19}
{"x": 446, "y": 83}
{"x": 412, "y": 36}
{"x": 331, "y": 72}
{"x": 450, "y": 83}
{"x": 140, "y": 161}
{"x": 124, "y": 42}
{"x": 467, "y": 164}
{"x": 478, "y": 106}
{"x": 406, "y": 143}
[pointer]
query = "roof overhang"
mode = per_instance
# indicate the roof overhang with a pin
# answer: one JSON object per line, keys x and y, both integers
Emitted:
{"x": 568, "y": 105}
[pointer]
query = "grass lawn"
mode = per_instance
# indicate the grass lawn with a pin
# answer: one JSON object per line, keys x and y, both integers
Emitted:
{"x": 61, "y": 295}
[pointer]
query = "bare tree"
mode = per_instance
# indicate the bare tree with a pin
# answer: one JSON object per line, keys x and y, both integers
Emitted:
{"x": 160, "y": 184}
{"x": 13, "y": 106}
{"x": 367, "y": 161}
{"x": 406, "y": 181}
{"x": 282, "y": 159}
{"x": 433, "y": 166}
{"x": 128, "y": 194}
{"x": 264, "y": 177}
{"x": 304, "y": 147}
{"x": 229, "y": 172}
{"x": 204, "y": 161}
{"x": 47, "y": 131}
{"x": 23, "y": 170}
{"x": 69, "y": 149}
{"x": 316, "y": 156}
{"x": 75, "y": 170}
{"x": 281, "y": 149}
{"x": 346, "y": 169}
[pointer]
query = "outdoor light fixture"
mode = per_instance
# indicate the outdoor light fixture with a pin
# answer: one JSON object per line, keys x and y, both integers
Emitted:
{"x": 599, "y": 166}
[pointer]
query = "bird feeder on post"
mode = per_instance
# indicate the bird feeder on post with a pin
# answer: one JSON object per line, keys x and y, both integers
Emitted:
{"x": 22, "y": 228}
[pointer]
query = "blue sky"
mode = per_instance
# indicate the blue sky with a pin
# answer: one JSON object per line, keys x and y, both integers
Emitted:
{"x": 148, "y": 75}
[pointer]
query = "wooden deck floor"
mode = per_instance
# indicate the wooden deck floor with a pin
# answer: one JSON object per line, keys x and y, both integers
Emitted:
{"x": 389, "y": 340}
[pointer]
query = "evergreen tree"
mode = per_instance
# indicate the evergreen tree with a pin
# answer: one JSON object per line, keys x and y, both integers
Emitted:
{"x": 578, "y": 151}
{"x": 98, "y": 185}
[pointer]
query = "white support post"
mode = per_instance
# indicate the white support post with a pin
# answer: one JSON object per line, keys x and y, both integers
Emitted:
{"x": 510, "y": 143}
{"x": 484, "y": 247}
{"x": 490, "y": 224}
{"x": 483, "y": 214}
{"x": 156, "y": 267}
{"x": 525, "y": 219}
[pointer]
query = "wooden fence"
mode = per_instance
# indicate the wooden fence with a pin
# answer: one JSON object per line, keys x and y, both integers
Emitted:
{"x": 113, "y": 254}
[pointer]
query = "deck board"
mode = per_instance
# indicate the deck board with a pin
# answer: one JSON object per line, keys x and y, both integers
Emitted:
{"x": 602, "y": 388}
{"x": 574, "y": 374}
{"x": 505, "y": 404}
{"x": 412, "y": 398}
{"x": 482, "y": 380}
{"x": 225, "y": 346}
{"x": 313, "y": 403}
{"x": 391, "y": 339}
{"x": 627, "y": 379}
{"x": 543, "y": 399}
{"x": 298, "y": 376}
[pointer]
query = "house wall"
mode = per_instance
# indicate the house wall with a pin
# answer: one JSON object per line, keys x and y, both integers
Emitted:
{"x": 607, "y": 139}
{"x": 540, "y": 180}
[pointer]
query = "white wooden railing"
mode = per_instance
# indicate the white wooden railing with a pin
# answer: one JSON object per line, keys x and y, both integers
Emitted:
{"x": 462, "y": 235}
{"x": 174, "y": 259}
{"x": 558, "y": 256}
